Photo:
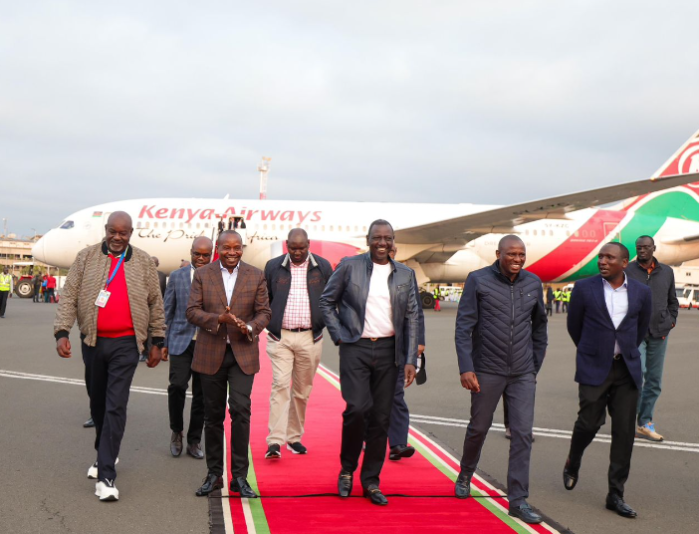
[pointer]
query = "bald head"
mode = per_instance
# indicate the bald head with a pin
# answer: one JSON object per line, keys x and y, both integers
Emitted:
{"x": 297, "y": 244}
{"x": 118, "y": 232}
{"x": 120, "y": 217}
{"x": 509, "y": 240}
{"x": 300, "y": 232}
{"x": 202, "y": 249}
{"x": 511, "y": 255}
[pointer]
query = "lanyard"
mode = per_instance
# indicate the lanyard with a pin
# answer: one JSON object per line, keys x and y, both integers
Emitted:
{"x": 121, "y": 259}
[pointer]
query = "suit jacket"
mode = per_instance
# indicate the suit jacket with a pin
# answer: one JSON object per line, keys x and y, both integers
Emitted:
{"x": 207, "y": 301}
{"x": 179, "y": 331}
{"x": 592, "y": 330}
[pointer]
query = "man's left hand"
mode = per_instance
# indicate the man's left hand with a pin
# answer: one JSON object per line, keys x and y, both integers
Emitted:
{"x": 409, "y": 374}
{"x": 154, "y": 356}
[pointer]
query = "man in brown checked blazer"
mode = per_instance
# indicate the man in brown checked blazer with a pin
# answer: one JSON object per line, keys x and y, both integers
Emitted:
{"x": 228, "y": 302}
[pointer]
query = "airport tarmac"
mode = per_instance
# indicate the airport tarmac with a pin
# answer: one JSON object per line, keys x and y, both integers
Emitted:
{"x": 46, "y": 452}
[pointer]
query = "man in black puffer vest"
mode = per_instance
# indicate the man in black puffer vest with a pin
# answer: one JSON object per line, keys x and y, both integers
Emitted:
{"x": 501, "y": 341}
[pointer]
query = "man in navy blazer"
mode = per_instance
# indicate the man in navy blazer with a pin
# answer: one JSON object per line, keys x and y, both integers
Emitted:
{"x": 180, "y": 338}
{"x": 608, "y": 318}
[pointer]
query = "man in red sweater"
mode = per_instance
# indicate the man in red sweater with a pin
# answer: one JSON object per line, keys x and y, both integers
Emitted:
{"x": 112, "y": 290}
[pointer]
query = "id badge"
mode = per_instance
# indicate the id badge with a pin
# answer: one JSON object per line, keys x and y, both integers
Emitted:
{"x": 102, "y": 298}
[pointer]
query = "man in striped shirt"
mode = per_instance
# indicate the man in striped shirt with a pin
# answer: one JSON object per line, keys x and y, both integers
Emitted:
{"x": 295, "y": 282}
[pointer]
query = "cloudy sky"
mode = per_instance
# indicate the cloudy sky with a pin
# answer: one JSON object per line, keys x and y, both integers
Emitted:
{"x": 491, "y": 101}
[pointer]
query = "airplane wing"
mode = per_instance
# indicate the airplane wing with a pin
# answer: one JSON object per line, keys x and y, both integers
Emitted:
{"x": 502, "y": 220}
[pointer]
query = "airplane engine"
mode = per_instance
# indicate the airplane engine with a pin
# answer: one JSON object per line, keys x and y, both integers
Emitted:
{"x": 457, "y": 267}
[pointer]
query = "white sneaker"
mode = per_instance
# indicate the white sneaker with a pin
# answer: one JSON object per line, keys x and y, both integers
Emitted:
{"x": 92, "y": 472}
{"x": 106, "y": 490}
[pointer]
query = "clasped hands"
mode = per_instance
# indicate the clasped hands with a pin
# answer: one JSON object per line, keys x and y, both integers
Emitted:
{"x": 229, "y": 318}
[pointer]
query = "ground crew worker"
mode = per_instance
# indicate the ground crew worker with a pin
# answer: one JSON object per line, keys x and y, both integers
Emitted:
{"x": 6, "y": 287}
{"x": 565, "y": 299}
{"x": 437, "y": 306}
{"x": 557, "y": 295}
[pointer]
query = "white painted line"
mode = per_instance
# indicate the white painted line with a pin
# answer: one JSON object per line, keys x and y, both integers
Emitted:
{"x": 225, "y": 502}
{"x": 249, "y": 521}
{"x": 561, "y": 434}
{"x": 75, "y": 382}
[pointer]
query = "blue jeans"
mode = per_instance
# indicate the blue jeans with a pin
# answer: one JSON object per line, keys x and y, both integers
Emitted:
{"x": 652, "y": 360}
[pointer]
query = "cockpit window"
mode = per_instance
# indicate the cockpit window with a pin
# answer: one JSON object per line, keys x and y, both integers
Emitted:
{"x": 67, "y": 225}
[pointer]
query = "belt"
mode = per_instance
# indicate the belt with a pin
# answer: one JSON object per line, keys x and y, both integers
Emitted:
{"x": 297, "y": 329}
{"x": 375, "y": 339}
{"x": 617, "y": 356}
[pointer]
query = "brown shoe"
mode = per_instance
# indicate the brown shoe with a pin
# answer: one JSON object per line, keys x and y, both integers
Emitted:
{"x": 648, "y": 432}
{"x": 194, "y": 450}
{"x": 176, "y": 444}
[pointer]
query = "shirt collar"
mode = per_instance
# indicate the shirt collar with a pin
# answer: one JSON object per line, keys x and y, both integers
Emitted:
{"x": 127, "y": 257}
{"x": 237, "y": 267}
{"x": 624, "y": 284}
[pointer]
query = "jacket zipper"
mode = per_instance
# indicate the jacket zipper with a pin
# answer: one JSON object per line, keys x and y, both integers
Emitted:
{"x": 512, "y": 328}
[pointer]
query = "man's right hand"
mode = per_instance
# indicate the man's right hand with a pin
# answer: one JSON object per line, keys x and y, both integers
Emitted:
{"x": 63, "y": 347}
{"x": 228, "y": 318}
{"x": 470, "y": 382}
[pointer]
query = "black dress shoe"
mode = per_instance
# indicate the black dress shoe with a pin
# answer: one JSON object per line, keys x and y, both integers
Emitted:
{"x": 194, "y": 450}
{"x": 617, "y": 504}
{"x": 401, "y": 451}
{"x": 373, "y": 493}
{"x": 240, "y": 485}
{"x": 462, "y": 488}
{"x": 211, "y": 483}
{"x": 570, "y": 474}
{"x": 525, "y": 513}
{"x": 344, "y": 484}
{"x": 89, "y": 423}
{"x": 176, "y": 444}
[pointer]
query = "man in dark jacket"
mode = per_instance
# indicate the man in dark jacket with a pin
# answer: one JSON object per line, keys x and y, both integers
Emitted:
{"x": 608, "y": 318}
{"x": 370, "y": 311}
{"x": 295, "y": 282}
{"x": 661, "y": 280}
{"x": 501, "y": 342}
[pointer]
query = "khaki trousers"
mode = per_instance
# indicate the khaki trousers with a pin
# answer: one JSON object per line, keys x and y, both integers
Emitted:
{"x": 295, "y": 359}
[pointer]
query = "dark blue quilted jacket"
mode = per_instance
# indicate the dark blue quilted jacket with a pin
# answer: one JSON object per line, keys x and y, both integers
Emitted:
{"x": 501, "y": 325}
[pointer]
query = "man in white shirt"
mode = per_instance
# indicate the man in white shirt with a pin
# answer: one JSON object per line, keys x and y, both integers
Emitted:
{"x": 370, "y": 310}
{"x": 608, "y": 318}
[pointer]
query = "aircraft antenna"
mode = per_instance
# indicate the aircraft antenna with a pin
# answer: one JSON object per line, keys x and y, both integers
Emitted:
{"x": 263, "y": 167}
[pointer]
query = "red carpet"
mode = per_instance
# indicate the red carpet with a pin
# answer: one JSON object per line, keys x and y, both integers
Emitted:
{"x": 430, "y": 472}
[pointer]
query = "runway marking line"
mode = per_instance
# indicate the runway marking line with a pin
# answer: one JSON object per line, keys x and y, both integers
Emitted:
{"x": 679, "y": 446}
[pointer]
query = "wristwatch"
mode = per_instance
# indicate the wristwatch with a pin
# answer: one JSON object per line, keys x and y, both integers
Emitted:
{"x": 250, "y": 337}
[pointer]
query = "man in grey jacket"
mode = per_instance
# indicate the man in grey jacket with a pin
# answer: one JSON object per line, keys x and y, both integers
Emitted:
{"x": 661, "y": 280}
{"x": 501, "y": 342}
{"x": 370, "y": 310}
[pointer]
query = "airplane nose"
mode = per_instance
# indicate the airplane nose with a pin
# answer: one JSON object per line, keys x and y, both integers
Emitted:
{"x": 39, "y": 250}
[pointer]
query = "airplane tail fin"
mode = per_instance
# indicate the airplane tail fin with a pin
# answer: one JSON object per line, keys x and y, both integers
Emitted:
{"x": 684, "y": 161}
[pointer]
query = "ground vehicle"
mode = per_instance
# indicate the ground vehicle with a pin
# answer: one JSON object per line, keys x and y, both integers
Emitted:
{"x": 24, "y": 285}
{"x": 688, "y": 296}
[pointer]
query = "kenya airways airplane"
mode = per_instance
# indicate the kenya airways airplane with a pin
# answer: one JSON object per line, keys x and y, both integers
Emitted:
{"x": 441, "y": 242}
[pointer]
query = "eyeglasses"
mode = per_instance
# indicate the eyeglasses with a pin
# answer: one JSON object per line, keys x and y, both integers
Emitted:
{"x": 201, "y": 254}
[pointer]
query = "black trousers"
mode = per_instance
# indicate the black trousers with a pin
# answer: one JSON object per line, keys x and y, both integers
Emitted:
{"x": 180, "y": 372}
{"x": 109, "y": 370}
{"x": 4, "y": 295}
{"x": 229, "y": 381}
{"x": 619, "y": 395}
{"x": 400, "y": 414}
{"x": 368, "y": 379}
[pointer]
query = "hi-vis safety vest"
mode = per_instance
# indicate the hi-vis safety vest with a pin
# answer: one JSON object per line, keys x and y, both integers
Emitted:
{"x": 5, "y": 281}
{"x": 557, "y": 294}
{"x": 566, "y": 296}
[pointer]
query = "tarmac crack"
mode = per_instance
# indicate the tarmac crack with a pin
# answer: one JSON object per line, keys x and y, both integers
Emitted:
{"x": 55, "y": 515}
